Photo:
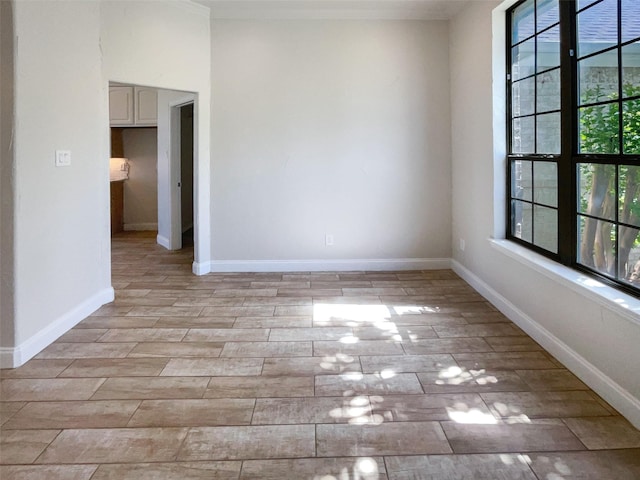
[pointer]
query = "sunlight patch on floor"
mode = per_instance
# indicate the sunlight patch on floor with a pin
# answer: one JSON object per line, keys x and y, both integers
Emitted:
{"x": 354, "y": 315}
{"x": 364, "y": 469}
{"x": 471, "y": 416}
{"x": 414, "y": 309}
{"x": 457, "y": 376}
{"x": 330, "y": 362}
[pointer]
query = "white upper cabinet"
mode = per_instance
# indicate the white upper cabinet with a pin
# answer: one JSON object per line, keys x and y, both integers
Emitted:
{"x": 133, "y": 106}
{"x": 146, "y": 108}
{"x": 121, "y": 106}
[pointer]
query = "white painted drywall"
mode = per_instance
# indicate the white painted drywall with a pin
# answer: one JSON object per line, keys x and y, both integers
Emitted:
{"x": 330, "y": 127}
{"x": 67, "y": 53}
{"x": 61, "y": 223}
{"x": 598, "y": 334}
{"x": 169, "y": 208}
{"x": 166, "y": 45}
{"x": 141, "y": 188}
{"x": 7, "y": 164}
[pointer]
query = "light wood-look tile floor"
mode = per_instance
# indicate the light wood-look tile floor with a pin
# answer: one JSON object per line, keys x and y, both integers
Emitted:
{"x": 403, "y": 375}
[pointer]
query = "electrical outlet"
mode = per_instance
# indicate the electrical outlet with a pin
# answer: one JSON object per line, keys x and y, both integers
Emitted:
{"x": 462, "y": 244}
{"x": 328, "y": 240}
{"x": 63, "y": 158}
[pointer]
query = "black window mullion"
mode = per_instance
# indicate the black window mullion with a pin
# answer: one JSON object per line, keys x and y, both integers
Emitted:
{"x": 617, "y": 224}
{"x": 620, "y": 86}
{"x": 508, "y": 211}
{"x": 570, "y": 158}
{"x": 567, "y": 168}
{"x": 616, "y": 267}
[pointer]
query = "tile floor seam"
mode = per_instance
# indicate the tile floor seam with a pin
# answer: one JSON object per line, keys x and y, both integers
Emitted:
{"x": 456, "y": 308}
{"x": 35, "y": 461}
{"x": 66, "y": 368}
{"x": 253, "y": 410}
{"x": 444, "y": 431}
{"x": 140, "y": 402}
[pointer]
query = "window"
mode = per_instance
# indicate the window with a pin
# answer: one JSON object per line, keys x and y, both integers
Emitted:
{"x": 574, "y": 134}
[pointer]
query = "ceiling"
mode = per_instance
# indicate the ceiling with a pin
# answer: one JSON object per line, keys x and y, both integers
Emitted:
{"x": 334, "y": 9}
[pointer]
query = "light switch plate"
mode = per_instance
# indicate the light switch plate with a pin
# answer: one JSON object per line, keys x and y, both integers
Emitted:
{"x": 63, "y": 158}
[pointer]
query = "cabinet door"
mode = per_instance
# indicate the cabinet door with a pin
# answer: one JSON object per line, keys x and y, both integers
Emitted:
{"x": 121, "y": 106}
{"x": 146, "y": 111}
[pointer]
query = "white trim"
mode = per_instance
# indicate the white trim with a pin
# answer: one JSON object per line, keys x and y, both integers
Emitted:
{"x": 606, "y": 296}
{"x": 612, "y": 392}
{"x": 16, "y": 356}
{"x": 188, "y": 99}
{"x": 323, "y": 265}
{"x": 162, "y": 241}
{"x": 132, "y": 227}
{"x": 201, "y": 268}
{"x": 499, "y": 109}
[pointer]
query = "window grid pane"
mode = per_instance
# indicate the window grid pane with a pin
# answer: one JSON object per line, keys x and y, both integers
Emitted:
{"x": 574, "y": 191}
{"x": 608, "y": 192}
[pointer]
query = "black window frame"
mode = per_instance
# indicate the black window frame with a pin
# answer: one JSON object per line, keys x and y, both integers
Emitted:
{"x": 569, "y": 158}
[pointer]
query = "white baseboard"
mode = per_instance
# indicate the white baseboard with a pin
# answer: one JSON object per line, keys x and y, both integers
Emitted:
{"x": 16, "y": 356}
{"x": 163, "y": 241}
{"x": 357, "y": 265}
{"x": 136, "y": 227}
{"x": 201, "y": 268}
{"x": 612, "y": 392}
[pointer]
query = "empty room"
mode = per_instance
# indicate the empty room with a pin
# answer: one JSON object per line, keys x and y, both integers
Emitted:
{"x": 313, "y": 239}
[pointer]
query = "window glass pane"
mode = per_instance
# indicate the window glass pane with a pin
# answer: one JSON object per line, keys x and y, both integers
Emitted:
{"x": 548, "y": 94}
{"x": 521, "y": 179}
{"x": 521, "y": 220}
{"x": 596, "y": 245}
{"x": 630, "y": 24}
{"x": 597, "y": 27}
{"x": 598, "y": 77}
{"x": 629, "y": 256}
{"x": 547, "y": 14}
{"x": 599, "y": 129}
{"x": 548, "y": 133}
{"x": 545, "y": 183}
{"x": 631, "y": 127}
{"x": 584, "y": 3}
{"x": 548, "y": 54}
{"x": 596, "y": 183}
{"x": 522, "y": 22}
{"x": 545, "y": 229}
{"x": 629, "y": 194}
{"x": 522, "y": 135}
{"x": 523, "y": 60}
{"x": 523, "y": 97}
{"x": 631, "y": 69}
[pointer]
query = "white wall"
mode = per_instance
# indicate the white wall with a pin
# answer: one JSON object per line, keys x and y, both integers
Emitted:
{"x": 141, "y": 189}
{"x": 60, "y": 224}
{"x": 330, "y": 127}
{"x": 169, "y": 194}
{"x": 7, "y": 164}
{"x": 596, "y": 339}
{"x": 61, "y": 240}
{"x": 166, "y": 44}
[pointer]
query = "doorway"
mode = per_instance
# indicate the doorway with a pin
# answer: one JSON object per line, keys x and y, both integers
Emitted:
{"x": 186, "y": 175}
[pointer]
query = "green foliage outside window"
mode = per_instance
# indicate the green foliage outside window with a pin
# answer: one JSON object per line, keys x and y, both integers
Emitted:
{"x": 599, "y": 134}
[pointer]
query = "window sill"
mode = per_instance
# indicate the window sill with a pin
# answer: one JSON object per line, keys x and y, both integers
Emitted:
{"x": 589, "y": 287}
